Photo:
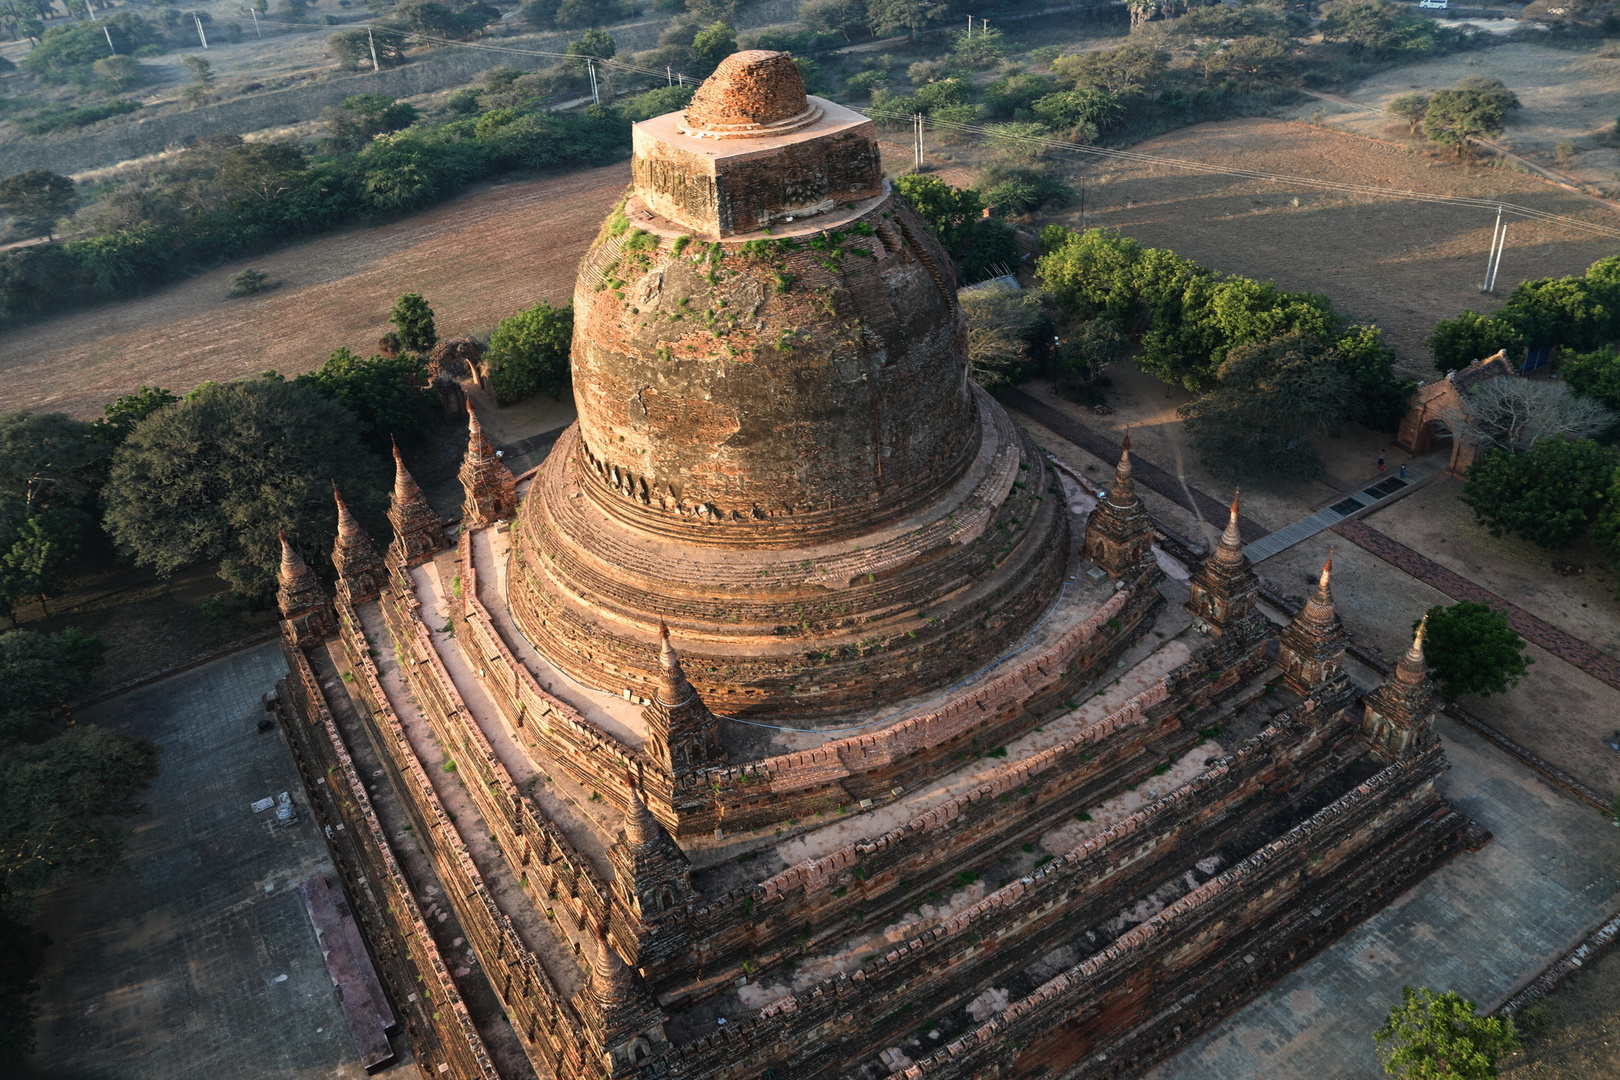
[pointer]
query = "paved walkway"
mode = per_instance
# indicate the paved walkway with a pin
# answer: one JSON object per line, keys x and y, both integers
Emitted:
{"x": 1379, "y": 491}
{"x": 1595, "y": 662}
{"x": 198, "y": 961}
{"x": 1484, "y": 924}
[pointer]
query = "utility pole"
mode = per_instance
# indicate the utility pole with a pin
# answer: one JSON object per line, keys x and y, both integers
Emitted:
{"x": 255, "y": 13}
{"x": 669, "y": 76}
{"x": 596, "y": 95}
{"x": 1491, "y": 259}
{"x": 917, "y": 132}
{"x": 1501, "y": 246}
{"x": 372, "y": 41}
{"x": 110, "y": 46}
{"x": 200, "y": 35}
{"x": 970, "y": 28}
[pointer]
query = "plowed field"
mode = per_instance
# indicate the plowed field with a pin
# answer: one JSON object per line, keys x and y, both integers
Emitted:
{"x": 477, "y": 260}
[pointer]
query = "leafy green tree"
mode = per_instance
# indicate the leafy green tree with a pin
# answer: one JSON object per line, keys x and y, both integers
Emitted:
{"x": 1254, "y": 59}
{"x": 46, "y": 548}
{"x": 48, "y": 462}
{"x": 353, "y": 48}
{"x": 528, "y": 352}
{"x": 1085, "y": 350}
{"x": 262, "y": 172}
{"x": 1470, "y": 649}
{"x": 597, "y": 43}
{"x": 118, "y": 73}
{"x": 217, "y": 475}
{"x": 69, "y": 53}
{"x": 1015, "y": 95}
{"x": 657, "y": 102}
{"x": 1441, "y": 1038}
{"x": 1377, "y": 27}
{"x": 36, "y": 198}
{"x": 1270, "y": 399}
{"x": 120, "y": 416}
{"x": 126, "y": 259}
{"x": 1070, "y": 109}
{"x": 893, "y": 16}
{"x": 413, "y": 323}
{"x": 846, "y": 18}
{"x": 1606, "y": 529}
{"x": 1546, "y": 495}
{"x": 1474, "y": 108}
{"x": 714, "y": 44}
{"x": 949, "y": 211}
{"x": 1411, "y": 108}
{"x": 979, "y": 49}
{"x": 385, "y": 394}
{"x": 1594, "y": 375}
{"x": 362, "y": 117}
{"x": 1568, "y": 312}
{"x": 1132, "y": 68}
{"x": 1456, "y": 343}
{"x": 1370, "y": 362}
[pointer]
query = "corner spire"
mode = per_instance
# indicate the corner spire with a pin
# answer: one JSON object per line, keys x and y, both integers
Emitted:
{"x": 418, "y": 529}
{"x": 640, "y": 827}
{"x": 1412, "y": 668}
{"x": 293, "y": 566}
{"x": 1310, "y": 649}
{"x": 404, "y": 483}
{"x": 307, "y": 617}
{"x": 610, "y": 975}
{"x": 676, "y": 690}
{"x": 347, "y": 526}
{"x": 490, "y": 489}
{"x": 1230, "y": 549}
{"x": 361, "y": 573}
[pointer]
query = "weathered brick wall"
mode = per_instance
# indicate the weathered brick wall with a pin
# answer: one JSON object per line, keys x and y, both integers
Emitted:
{"x": 778, "y": 391}
{"x": 1366, "y": 843}
{"x": 545, "y": 1020}
{"x": 437, "y": 1024}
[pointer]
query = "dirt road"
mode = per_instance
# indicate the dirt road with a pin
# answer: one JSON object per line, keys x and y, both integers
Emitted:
{"x": 477, "y": 260}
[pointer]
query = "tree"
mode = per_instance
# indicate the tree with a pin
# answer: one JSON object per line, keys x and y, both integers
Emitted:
{"x": 528, "y": 352}
{"x": 1001, "y": 319}
{"x": 1377, "y": 27}
{"x": 46, "y": 547}
{"x": 1456, "y": 343}
{"x": 48, "y": 461}
{"x": 261, "y": 172}
{"x": 1545, "y": 496}
{"x": 120, "y": 416}
{"x": 413, "y": 323}
{"x": 219, "y": 474}
{"x": 949, "y": 211}
{"x": 202, "y": 79}
{"x": 36, "y": 198}
{"x": 1595, "y": 375}
{"x": 1253, "y": 59}
{"x": 1517, "y": 414}
{"x": 363, "y": 117}
{"x": 714, "y": 44}
{"x": 1411, "y": 108}
{"x": 69, "y": 53}
{"x": 847, "y": 18}
{"x": 1568, "y": 312}
{"x": 1606, "y": 529}
{"x": 385, "y": 394}
{"x": 1069, "y": 109}
{"x": 118, "y": 73}
{"x": 1084, "y": 350}
{"x": 1370, "y": 362}
{"x": 1475, "y": 108}
{"x": 596, "y": 43}
{"x": 892, "y": 16}
{"x": 1269, "y": 400}
{"x": 1442, "y": 1038}
{"x": 1470, "y": 649}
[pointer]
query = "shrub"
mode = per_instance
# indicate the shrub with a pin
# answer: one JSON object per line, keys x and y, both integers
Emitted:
{"x": 528, "y": 352}
{"x": 1470, "y": 649}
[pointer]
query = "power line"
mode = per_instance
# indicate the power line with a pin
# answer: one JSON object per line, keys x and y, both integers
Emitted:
{"x": 1136, "y": 157}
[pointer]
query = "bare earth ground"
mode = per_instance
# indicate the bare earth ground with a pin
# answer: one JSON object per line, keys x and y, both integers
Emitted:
{"x": 477, "y": 260}
{"x": 1582, "y": 1040}
{"x": 1402, "y": 265}
{"x": 1564, "y": 93}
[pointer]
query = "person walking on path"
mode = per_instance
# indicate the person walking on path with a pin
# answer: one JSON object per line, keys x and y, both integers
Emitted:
{"x": 1380, "y": 463}
{"x": 1403, "y": 470}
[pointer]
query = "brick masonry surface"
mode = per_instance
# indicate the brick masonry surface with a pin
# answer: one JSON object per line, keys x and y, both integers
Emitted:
{"x": 1484, "y": 925}
{"x": 171, "y": 969}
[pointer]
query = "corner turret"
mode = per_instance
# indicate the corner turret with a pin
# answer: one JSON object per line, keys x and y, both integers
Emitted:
{"x": 1399, "y": 715}
{"x": 1119, "y": 533}
{"x": 418, "y": 529}
{"x": 361, "y": 572}
{"x": 307, "y": 617}
{"x": 1311, "y": 648}
{"x": 490, "y": 487}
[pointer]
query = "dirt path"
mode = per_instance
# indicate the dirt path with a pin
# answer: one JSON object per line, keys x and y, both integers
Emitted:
{"x": 477, "y": 260}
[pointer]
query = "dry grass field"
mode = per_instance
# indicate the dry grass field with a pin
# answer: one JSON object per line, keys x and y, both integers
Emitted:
{"x": 477, "y": 260}
{"x": 1403, "y": 265}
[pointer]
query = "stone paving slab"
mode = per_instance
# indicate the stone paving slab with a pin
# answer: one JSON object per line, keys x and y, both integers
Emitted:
{"x": 1484, "y": 925}
{"x": 198, "y": 962}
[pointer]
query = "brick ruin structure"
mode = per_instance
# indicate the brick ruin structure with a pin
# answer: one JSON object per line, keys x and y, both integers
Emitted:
{"x": 793, "y": 720}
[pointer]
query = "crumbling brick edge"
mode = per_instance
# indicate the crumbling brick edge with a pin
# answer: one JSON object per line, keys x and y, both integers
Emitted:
{"x": 1590, "y": 948}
